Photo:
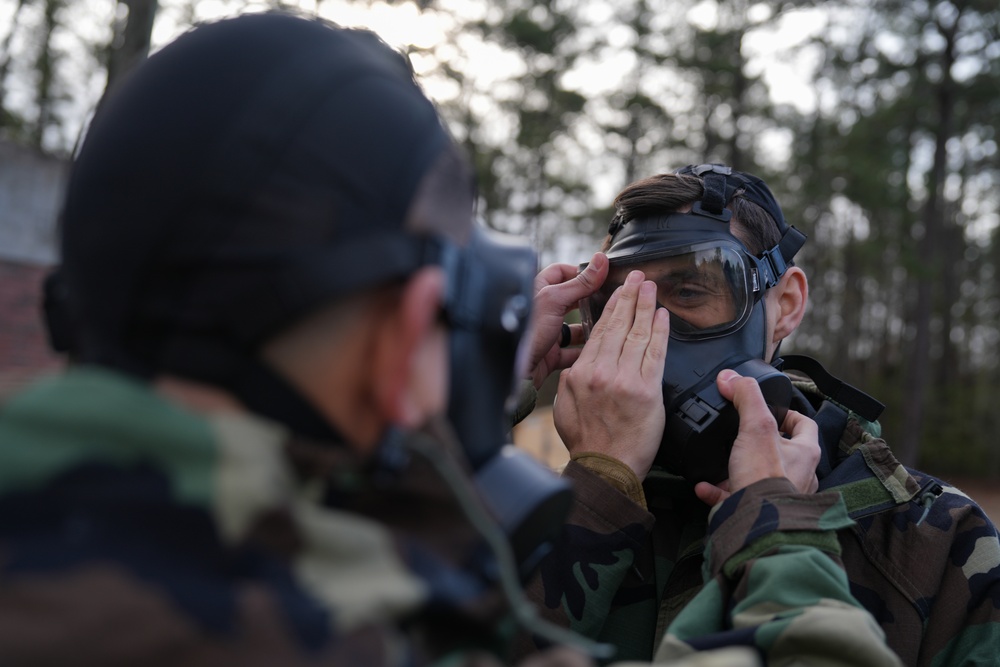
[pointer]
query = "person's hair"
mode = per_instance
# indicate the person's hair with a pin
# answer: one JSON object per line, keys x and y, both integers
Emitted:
{"x": 666, "y": 193}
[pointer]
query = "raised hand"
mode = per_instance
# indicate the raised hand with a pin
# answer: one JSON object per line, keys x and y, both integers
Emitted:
{"x": 760, "y": 451}
{"x": 611, "y": 400}
{"x": 558, "y": 290}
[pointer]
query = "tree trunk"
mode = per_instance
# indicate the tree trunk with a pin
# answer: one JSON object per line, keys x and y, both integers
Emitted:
{"x": 930, "y": 262}
{"x": 5, "y": 63}
{"x": 130, "y": 45}
{"x": 45, "y": 65}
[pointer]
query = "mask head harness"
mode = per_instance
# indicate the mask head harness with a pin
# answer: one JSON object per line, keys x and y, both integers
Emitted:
{"x": 713, "y": 287}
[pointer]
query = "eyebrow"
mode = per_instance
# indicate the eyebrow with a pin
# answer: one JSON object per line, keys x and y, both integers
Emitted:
{"x": 692, "y": 274}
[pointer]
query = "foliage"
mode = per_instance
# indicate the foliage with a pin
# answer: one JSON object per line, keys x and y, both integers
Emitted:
{"x": 885, "y": 155}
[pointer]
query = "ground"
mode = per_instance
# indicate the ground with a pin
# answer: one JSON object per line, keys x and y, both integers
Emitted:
{"x": 537, "y": 436}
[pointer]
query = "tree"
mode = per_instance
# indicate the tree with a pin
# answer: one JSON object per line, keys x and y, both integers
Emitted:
{"x": 905, "y": 145}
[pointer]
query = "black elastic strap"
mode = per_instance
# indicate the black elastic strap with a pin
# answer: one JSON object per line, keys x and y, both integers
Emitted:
{"x": 714, "y": 199}
{"x": 779, "y": 258}
{"x": 791, "y": 242}
{"x": 837, "y": 390}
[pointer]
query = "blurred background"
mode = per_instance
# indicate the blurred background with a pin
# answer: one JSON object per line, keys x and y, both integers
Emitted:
{"x": 874, "y": 121}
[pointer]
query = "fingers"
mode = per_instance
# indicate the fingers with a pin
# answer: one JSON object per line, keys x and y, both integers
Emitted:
{"x": 591, "y": 351}
{"x": 800, "y": 453}
{"x": 797, "y": 425}
{"x": 559, "y": 287}
{"x": 656, "y": 352}
{"x": 710, "y": 494}
{"x": 619, "y": 324}
{"x": 558, "y": 290}
{"x": 745, "y": 394}
{"x": 755, "y": 454}
{"x": 576, "y": 336}
{"x": 639, "y": 333}
{"x": 760, "y": 451}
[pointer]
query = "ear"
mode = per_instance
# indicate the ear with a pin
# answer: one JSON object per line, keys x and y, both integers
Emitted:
{"x": 409, "y": 353}
{"x": 791, "y": 295}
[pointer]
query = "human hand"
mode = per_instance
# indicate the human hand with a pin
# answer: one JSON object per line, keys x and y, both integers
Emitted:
{"x": 611, "y": 400}
{"x": 760, "y": 451}
{"x": 558, "y": 290}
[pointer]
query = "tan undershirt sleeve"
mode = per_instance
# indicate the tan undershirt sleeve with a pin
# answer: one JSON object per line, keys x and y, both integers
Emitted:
{"x": 615, "y": 472}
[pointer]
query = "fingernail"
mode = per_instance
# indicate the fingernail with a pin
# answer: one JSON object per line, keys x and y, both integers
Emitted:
{"x": 647, "y": 288}
{"x": 634, "y": 277}
{"x": 727, "y": 374}
{"x": 597, "y": 261}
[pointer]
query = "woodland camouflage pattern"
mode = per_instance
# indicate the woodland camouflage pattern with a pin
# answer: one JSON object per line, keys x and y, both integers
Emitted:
{"x": 638, "y": 578}
{"x": 133, "y": 532}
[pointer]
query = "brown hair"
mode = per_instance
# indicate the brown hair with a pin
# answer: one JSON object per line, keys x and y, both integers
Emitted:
{"x": 666, "y": 193}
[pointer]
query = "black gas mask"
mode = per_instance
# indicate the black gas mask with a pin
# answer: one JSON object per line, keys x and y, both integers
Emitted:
{"x": 488, "y": 306}
{"x": 714, "y": 289}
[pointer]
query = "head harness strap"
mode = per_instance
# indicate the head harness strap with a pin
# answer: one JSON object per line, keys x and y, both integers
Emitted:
{"x": 722, "y": 181}
{"x": 721, "y": 184}
{"x": 717, "y": 194}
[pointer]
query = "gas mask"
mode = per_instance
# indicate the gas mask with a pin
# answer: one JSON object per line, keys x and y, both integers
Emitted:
{"x": 490, "y": 289}
{"x": 714, "y": 289}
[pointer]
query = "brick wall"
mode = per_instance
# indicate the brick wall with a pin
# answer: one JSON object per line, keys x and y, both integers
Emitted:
{"x": 24, "y": 350}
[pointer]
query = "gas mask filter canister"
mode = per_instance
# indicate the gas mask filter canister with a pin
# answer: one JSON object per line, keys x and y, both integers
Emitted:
{"x": 488, "y": 307}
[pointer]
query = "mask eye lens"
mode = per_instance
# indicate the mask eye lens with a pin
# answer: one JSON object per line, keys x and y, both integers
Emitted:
{"x": 704, "y": 287}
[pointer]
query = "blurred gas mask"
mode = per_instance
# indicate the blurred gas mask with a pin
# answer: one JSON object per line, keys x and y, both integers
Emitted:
{"x": 488, "y": 304}
{"x": 714, "y": 289}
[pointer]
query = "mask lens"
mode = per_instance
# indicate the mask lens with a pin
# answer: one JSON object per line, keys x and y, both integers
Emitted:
{"x": 704, "y": 288}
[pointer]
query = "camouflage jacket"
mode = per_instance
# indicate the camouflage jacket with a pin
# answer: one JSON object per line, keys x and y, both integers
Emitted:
{"x": 134, "y": 532}
{"x": 919, "y": 555}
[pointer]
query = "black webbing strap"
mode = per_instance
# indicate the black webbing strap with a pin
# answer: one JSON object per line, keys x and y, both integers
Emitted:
{"x": 714, "y": 199}
{"x": 837, "y": 390}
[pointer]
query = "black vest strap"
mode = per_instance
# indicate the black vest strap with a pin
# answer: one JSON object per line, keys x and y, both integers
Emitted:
{"x": 837, "y": 390}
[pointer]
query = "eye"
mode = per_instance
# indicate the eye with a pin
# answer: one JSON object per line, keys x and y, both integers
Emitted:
{"x": 685, "y": 294}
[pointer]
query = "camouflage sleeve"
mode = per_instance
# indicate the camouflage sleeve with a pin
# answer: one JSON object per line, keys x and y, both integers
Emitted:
{"x": 775, "y": 582}
{"x": 964, "y": 627}
{"x": 966, "y": 613}
{"x": 594, "y": 563}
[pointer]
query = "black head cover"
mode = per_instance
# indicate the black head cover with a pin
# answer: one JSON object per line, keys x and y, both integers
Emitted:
{"x": 240, "y": 178}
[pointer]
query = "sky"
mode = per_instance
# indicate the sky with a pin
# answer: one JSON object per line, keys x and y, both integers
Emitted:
{"x": 402, "y": 24}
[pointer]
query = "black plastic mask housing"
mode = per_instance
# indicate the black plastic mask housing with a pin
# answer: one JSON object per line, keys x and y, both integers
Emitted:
{"x": 488, "y": 305}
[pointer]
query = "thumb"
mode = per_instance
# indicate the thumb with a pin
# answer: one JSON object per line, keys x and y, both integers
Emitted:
{"x": 587, "y": 281}
{"x": 710, "y": 494}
